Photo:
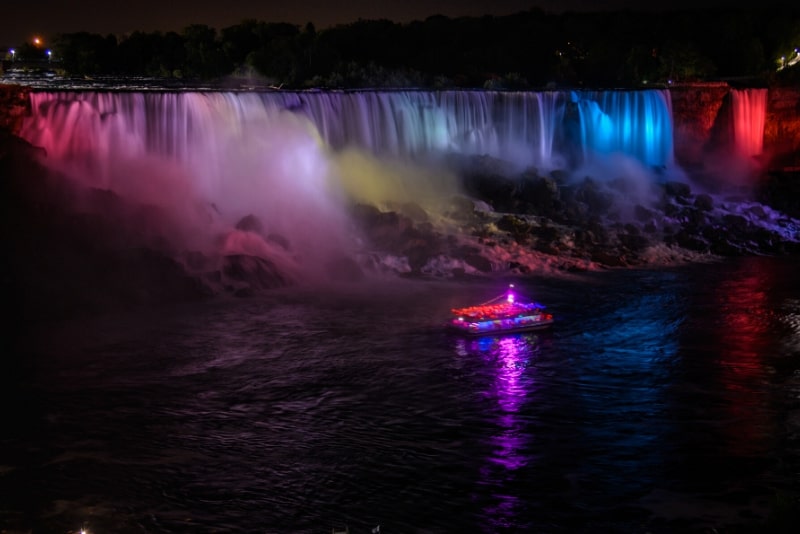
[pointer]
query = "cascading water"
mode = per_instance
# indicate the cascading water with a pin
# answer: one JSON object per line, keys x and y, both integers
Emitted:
{"x": 293, "y": 160}
{"x": 733, "y": 155}
{"x": 635, "y": 123}
{"x": 748, "y": 113}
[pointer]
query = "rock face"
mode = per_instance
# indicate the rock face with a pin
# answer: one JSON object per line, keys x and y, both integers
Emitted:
{"x": 14, "y": 104}
{"x": 782, "y": 128}
{"x": 695, "y": 109}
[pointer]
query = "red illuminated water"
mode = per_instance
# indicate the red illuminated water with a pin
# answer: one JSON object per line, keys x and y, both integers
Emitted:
{"x": 748, "y": 116}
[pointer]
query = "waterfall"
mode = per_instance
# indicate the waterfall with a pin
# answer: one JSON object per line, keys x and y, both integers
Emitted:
{"x": 546, "y": 130}
{"x": 748, "y": 113}
{"x": 294, "y": 159}
{"x": 634, "y": 123}
{"x": 732, "y": 156}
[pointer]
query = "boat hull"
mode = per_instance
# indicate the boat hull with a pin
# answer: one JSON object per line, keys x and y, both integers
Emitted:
{"x": 509, "y": 325}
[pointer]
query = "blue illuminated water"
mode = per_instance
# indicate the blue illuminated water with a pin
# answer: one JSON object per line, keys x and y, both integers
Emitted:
{"x": 662, "y": 401}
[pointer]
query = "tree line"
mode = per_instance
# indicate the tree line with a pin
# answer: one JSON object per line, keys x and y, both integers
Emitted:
{"x": 530, "y": 49}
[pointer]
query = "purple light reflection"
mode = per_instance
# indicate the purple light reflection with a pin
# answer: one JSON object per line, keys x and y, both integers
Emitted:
{"x": 510, "y": 358}
{"x": 511, "y": 390}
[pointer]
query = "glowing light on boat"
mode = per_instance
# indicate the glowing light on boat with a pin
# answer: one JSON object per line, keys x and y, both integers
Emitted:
{"x": 499, "y": 316}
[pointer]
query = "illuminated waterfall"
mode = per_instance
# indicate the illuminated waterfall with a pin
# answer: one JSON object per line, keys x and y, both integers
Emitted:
{"x": 635, "y": 123}
{"x": 748, "y": 110}
{"x": 529, "y": 129}
{"x": 293, "y": 160}
{"x": 732, "y": 155}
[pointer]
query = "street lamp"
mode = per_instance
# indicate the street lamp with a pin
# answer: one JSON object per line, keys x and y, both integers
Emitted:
{"x": 12, "y": 52}
{"x": 49, "y": 55}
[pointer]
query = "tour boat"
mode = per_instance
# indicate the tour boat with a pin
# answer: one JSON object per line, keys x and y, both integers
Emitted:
{"x": 503, "y": 314}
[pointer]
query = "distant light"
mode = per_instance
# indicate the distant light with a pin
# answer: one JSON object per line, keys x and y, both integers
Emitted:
{"x": 37, "y": 41}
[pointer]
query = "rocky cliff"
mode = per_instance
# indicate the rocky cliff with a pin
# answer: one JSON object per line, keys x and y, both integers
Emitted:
{"x": 14, "y": 104}
{"x": 782, "y": 128}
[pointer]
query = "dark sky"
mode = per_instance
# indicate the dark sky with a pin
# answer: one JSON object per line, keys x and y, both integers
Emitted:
{"x": 21, "y": 20}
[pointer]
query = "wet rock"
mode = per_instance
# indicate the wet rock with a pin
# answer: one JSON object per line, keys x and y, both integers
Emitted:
{"x": 704, "y": 202}
{"x": 478, "y": 262}
{"x": 677, "y": 189}
{"x": 250, "y": 223}
{"x": 246, "y": 274}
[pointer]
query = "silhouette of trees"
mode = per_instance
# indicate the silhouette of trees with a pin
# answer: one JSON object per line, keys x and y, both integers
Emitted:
{"x": 86, "y": 53}
{"x": 205, "y": 57}
{"x": 150, "y": 54}
{"x": 527, "y": 50}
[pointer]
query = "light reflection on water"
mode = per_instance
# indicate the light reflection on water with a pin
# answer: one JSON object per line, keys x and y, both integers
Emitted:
{"x": 512, "y": 358}
{"x": 661, "y": 401}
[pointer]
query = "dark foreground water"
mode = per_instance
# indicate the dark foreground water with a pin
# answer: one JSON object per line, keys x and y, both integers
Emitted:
{"x": 662, "y": 401}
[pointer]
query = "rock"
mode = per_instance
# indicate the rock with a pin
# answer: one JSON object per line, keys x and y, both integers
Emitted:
{"x": 704, "y": 202}
{"x": 478, "y": 262}
{"x": 250, "y": 223}
{"x": 677, "y": 189}
{"x": 253, "y": 273}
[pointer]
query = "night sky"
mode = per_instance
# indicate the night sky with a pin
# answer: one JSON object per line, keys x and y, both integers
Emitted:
{"x": 22, "y": 20}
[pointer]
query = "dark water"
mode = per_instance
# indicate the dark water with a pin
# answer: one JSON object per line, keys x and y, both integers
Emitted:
{"x": 662, "y": 401}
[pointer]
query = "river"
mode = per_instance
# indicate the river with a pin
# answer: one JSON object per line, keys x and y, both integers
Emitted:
{"x": 662, "y": 400}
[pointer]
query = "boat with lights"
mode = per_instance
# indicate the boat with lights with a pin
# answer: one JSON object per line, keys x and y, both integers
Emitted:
{"x": 505, "y": 313}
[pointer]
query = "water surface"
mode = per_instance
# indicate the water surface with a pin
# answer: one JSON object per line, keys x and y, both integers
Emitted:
{"x": 663, "y": 400}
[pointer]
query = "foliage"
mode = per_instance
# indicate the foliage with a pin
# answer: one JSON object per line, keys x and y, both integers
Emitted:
{"x": 525, "y": 50}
